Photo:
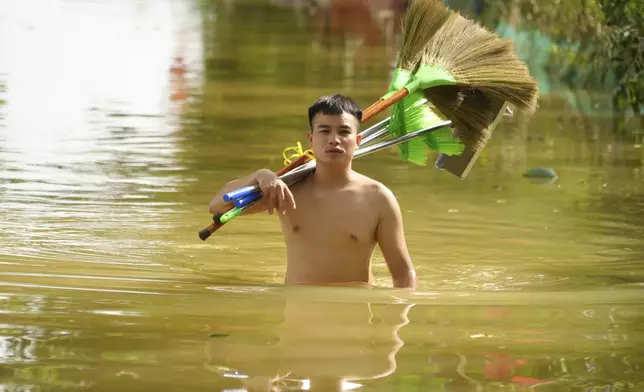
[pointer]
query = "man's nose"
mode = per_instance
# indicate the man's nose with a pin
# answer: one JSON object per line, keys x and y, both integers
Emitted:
{"x": 334, "y": 138}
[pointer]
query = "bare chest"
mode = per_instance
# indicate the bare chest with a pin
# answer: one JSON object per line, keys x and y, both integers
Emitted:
{"x": 342, "y": 219}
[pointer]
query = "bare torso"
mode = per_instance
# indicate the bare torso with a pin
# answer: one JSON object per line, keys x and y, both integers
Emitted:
{"x": 331, "y": 235}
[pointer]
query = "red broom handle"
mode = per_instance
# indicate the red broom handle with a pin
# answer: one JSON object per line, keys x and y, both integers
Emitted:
{"x": 299, "y": 161}
{"x": 382, "y": 104}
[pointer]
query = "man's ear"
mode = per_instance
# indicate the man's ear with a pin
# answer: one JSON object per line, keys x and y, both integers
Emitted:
{"x": 310, "y": 137}
{"x": 358, "y": 139}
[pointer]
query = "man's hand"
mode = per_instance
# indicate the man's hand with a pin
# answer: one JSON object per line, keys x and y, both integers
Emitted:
{"x": 275, "y": 193}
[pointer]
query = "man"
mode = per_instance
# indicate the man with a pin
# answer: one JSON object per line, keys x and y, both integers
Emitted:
{"x": 333, "y": 219}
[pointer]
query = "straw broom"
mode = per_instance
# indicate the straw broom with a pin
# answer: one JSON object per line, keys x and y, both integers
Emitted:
{"x": 423, "y": 20}
{"x": 464, "y": 60}
{"x": 484, "y": 67}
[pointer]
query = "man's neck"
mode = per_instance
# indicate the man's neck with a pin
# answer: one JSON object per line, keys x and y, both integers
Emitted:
{"x": 332, "y": 176}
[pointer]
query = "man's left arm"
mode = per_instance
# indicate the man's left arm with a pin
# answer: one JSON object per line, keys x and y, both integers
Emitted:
{"x": 391, "y": 240}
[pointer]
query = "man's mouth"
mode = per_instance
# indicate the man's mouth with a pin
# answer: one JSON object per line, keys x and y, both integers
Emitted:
{"x": 334, "y": 151}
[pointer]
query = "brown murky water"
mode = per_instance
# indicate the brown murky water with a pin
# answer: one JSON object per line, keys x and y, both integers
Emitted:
{"x": 111, "y": 148}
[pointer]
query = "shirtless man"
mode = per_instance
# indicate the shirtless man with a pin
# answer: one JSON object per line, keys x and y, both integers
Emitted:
{"x": 333, "y": 219}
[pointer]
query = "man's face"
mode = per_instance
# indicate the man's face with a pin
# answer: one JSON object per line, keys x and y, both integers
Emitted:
{"x": 334, "y": 138}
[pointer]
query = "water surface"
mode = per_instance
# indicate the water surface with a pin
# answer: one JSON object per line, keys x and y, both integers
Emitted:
{"x": 120, "y": 120}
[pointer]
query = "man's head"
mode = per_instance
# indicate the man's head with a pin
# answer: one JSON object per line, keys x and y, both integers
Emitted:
{"x": 335, "y": 123}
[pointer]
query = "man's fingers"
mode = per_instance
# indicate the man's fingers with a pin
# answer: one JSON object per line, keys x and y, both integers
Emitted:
{"x": 278, "y": 198}
{"x": 274, "y": 199}
{"x": 267, "y": 195}
{"x": 290, "y": 200}
{"x": 281, "y": 199}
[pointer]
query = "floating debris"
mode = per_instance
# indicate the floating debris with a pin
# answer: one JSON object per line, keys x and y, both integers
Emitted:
{"x": 540, "y": 172}
{"x": 543, "y": 175}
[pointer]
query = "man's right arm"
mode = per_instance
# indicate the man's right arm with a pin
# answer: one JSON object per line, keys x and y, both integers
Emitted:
{"x": 275, "y": 194}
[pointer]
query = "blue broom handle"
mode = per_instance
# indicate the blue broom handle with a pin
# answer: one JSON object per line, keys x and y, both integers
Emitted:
{"x": 239, "y": 193}
{"x": 246, "y": 200}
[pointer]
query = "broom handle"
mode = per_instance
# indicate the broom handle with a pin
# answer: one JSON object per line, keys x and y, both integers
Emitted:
{"x": 373, "y": 110}
{"x": 382, "y": 104}
{"x": 216, "y": 225}
{"x": 370, "y": 112}
{"x": 208, "y": 231}
{"x": 367, "y": 132}
{"x": 308, "y": 168}
{"x": 298, "y": 162}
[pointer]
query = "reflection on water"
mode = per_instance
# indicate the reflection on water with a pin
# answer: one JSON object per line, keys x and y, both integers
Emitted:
{"x": 330, "y": 345}
{"x": 313, "y": 339}
{"x": 119, "y": 120}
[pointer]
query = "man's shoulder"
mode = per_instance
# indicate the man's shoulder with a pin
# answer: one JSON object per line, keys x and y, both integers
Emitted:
{"x": 375, "y": 188}
{"x": 367, "y": 183}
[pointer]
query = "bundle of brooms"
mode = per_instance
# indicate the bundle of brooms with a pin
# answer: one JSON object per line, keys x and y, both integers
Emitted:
{"x": 467, "y": 76}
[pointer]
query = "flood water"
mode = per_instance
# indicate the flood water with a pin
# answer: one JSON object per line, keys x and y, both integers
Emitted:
{"x": 119, "y": 120}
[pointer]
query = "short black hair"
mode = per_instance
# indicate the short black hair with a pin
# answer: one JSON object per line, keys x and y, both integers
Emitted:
{"x": 335, "y": 105}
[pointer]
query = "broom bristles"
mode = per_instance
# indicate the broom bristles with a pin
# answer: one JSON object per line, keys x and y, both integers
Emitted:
{"x": 471, "y": 111}
{"x": 486, "y": 70}
{"x": 479, "y": 59}
{"x": 422, "y": 21}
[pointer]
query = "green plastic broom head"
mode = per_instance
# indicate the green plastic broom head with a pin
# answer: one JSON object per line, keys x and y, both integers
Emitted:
{"x": 426, "y": 76}
{"x": 414, "y": 113}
